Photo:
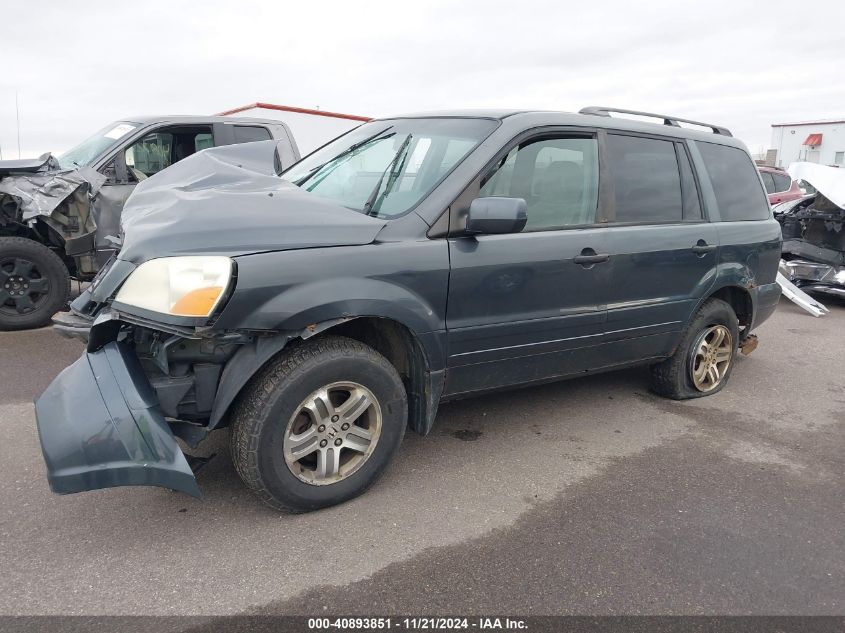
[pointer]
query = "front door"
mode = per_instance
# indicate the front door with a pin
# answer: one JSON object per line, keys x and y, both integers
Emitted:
{"x": 527, "y": 306}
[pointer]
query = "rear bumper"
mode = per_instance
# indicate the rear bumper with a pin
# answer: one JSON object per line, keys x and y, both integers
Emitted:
{"x": 100, "y": 426}
{"x": 765, "y": 299}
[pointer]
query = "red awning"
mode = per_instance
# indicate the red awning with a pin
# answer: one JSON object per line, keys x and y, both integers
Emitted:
{"x": 813, "y": 139}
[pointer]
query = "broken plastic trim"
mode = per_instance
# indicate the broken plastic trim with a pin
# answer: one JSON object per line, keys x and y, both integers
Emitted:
{"x": 120, "y": 436}
{"x": 798, "y": 296}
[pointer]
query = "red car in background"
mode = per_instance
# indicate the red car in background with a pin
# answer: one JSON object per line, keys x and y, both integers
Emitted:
{"x": 779, "y": 185}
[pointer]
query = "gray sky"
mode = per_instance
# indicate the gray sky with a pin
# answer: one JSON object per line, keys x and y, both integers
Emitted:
{"x": 79, "y": 65}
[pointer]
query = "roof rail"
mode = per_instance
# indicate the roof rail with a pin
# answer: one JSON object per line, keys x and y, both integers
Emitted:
{"x": 667, "y": 120}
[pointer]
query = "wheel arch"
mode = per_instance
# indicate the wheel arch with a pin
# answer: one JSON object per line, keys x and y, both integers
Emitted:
{"x": 403, "y": 348}
{"x": 739, "y": 298}
{"x": 406, "y": 352}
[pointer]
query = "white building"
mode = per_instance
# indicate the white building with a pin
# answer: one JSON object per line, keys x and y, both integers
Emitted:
{"x": 820, "y": 142}
{"x": 310, "y": 128}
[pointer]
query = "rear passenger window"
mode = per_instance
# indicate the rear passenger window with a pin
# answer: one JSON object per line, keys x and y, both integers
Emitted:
{"x": 250, "y": 134}
{"x": 557, "y": 177}
{"x": 768, "y": 182}
{"x": 203, "y": 141}
{"x": 646, "y": 179}
{"x": 735, "y": 183}
{"x": 782, "y": 182}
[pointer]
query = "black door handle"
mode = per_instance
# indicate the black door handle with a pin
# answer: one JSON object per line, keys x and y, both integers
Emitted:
{"x": 703, "y": 247}
{"x": 588, "y": 257}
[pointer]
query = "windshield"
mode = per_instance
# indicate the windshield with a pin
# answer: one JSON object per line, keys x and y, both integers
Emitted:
{"x": 385, "y": 168}
{"x": 91, "y": 148}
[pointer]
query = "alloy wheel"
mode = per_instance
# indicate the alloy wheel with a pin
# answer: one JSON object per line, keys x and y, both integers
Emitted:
{"x": 712, "y": 355}
{"x": 332, "y": 433}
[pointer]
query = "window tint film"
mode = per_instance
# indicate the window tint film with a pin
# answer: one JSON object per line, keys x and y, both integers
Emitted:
{"x": 646, "y": 179}
{"x": 251, "y": 133}
{"x": 692, "y": 204}
{"x": 558, "y": 178}
{"x": 735, "y": 183}
{"x": 782, "y": 182}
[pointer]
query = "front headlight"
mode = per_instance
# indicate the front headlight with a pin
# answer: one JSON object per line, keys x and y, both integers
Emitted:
{"x": 179, "y": 286}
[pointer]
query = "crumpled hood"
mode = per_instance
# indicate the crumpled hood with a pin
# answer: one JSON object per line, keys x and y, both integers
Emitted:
{"x": 41, "y": 189}
{"x": 45, "y": 162}
{"x": 228, "y": 201}
{"x": 829, "y": 181}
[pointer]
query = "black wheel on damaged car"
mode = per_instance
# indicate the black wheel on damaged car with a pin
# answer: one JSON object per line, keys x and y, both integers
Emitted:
{"x": 319, "y": 424}
{"x": 704, "y": 359}
{"x": 34, "y": 284}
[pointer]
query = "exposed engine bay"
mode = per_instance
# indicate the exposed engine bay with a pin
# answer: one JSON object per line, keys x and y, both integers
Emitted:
{"x": 813, "y": 229}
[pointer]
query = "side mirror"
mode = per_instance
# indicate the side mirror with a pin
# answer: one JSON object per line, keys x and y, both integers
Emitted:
{"x": 497, "y": 215}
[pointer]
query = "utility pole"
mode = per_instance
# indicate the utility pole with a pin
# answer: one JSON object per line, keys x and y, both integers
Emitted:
{"x": 18, "y": 116}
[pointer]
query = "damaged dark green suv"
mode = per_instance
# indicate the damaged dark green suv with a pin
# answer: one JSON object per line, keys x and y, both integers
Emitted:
{"x": 412, "y": 260}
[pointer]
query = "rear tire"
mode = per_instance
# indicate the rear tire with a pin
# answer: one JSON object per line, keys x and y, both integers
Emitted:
{"x": 318, "y": 395}
{"x": 704, "y": 359}
{"x": 34, "y": 284}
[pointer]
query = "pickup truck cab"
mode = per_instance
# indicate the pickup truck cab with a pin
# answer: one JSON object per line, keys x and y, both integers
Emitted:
{"x": 60, "y": 216}
{"x": 413, "y": 260}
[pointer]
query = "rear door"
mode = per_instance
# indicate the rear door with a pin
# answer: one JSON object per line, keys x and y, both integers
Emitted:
{"x": 749, "y": 237}
{"x": 663, "y": 251}
{"x": 527, "y": 306}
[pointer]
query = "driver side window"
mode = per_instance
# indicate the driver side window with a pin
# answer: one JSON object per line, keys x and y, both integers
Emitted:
{"x": 557, "y": 178}
{"x": 162, "y": 148}
{"x": 149, "y": 155}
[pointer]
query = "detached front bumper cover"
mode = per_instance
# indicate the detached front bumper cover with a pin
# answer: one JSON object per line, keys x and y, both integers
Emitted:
{"x": 100, "y": 426}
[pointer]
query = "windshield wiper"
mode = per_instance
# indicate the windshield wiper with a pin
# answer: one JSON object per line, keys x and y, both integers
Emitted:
{"x": 349, "y": 151}
{"x": 374, "y": 200}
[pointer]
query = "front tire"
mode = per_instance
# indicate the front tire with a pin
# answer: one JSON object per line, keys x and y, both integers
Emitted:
{"x": 34, "y": 284}
{"x": 704, "y": 359}
{"x": 319, "y": 424}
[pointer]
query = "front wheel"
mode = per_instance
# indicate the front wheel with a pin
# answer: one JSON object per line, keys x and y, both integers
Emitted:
{"x": 34, "y": 284}
{"x": 319, "y": 424}
{"x": 704, "y": 359}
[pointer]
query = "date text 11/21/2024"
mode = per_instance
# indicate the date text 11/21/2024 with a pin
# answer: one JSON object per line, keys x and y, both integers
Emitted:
{"x": 417, "y": 623}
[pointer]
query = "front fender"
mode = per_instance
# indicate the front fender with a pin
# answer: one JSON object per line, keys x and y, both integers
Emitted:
{"x": 290, "y": 290}
{"x": 324, "y": 300}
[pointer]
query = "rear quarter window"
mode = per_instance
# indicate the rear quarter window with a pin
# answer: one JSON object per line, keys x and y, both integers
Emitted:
{"x": 251, "y": 134}
{"x": 736, "y": 183}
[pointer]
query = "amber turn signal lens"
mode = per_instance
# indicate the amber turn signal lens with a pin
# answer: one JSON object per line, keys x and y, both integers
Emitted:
{"x": 198, "y": 302}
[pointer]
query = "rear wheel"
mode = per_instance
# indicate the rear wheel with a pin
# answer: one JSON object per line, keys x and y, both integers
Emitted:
{"x": 319, "y": 424}
{"x": 704, "y": 359}
{"x": 34, "y": 284}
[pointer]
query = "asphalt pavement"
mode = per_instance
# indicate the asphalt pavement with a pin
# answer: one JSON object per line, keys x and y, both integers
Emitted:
{"x": 590, "y": 496}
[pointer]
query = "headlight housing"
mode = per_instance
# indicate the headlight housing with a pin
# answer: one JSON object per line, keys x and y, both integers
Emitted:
{"x": 179, "y": 286}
